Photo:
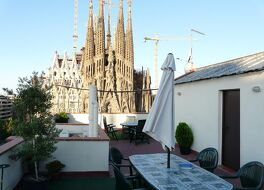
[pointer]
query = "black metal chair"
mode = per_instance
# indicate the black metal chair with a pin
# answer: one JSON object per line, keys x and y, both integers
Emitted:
{"x": 208, "y": 159}
{"x": 109, "y": 129}
{"x": 138, "y": 134}
{"x": 117, "y": 158}
{"x": 250, "y": 175}
{"x": 122, "y": 182}
{"x": 3, "y": 166}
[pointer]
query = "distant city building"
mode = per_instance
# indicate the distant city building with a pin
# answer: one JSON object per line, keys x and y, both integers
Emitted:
{"x": 5, "y": 107}
{"x": 106, "y": 63}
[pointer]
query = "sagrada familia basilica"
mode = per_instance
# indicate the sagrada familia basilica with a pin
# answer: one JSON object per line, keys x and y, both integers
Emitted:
{"x": 106, "y": 61}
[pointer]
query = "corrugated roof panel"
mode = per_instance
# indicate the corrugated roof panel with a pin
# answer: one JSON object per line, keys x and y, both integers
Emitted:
{"x": 240, "y": 65}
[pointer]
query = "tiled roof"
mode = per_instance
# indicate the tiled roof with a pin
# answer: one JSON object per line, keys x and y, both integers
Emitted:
{"x": 237, "y": 66}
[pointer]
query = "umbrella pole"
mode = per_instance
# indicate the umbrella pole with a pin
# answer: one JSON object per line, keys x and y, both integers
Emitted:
{"x": 168, "y": 157}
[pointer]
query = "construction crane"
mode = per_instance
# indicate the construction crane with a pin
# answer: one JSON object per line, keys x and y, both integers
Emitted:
{"x": 75, "y": 27}
{"x": 157, "y": 39}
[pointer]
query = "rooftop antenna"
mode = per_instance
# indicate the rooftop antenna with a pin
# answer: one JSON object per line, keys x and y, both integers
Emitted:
{"x": 192, "y": 30}
{"x": 196, "y": 31}
{"x": 189, "y": 67}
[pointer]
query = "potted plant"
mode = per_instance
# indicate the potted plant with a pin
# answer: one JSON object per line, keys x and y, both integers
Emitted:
{"x": 61, "y": 117}
{"x": 33, "y": 121}
{"x": 54, "y": 167}
{"x": 184, "y": 137}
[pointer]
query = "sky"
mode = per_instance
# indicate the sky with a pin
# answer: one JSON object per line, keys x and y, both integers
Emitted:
{"x": 32, "y": 30}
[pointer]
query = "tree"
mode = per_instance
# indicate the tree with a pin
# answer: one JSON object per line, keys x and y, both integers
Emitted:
{"x": 8, "y": 91}
{"x": 33, "y": 121}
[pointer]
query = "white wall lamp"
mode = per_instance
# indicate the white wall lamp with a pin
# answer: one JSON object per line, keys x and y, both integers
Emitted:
{"x": 256, "y": 89}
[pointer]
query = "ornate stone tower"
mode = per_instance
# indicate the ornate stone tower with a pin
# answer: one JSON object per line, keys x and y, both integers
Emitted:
{"x": 110, "y": 67}
{"x": 146, "y": 94}
{"x": 88, "y": 65}
{"x": 129, "y": 56}
{"x": 99, "y": 59}
{"x": 108, "y": 63}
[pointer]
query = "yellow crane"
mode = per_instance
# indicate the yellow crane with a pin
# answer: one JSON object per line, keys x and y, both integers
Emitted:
{"x": 156, "y": 39}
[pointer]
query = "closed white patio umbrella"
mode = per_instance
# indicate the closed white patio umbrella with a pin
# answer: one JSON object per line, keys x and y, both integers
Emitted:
{"x": 160, "y": 123}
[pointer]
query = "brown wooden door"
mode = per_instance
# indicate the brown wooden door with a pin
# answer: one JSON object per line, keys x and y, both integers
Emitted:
{"x": 231, "y": 129}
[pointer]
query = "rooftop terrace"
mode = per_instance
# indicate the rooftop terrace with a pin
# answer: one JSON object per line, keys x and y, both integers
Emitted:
{"x": 97, "y": 182}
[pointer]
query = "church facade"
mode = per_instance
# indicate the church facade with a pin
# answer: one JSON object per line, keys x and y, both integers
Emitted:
{"x": 106, "y": 61}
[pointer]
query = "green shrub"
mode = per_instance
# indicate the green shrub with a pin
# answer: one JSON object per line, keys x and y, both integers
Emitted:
{"x": 6, "y": 127}
{"x": 61, "y": 117}
{"x": 184, "y": 135}
{"x": 54, "y": 167}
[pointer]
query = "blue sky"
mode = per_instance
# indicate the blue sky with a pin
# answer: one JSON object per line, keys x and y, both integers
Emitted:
{"x": 31, "y": 31}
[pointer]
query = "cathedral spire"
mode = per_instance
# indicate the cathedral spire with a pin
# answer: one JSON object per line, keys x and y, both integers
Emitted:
{"x": 129, "y": 47}
{"x": 120, "y": 33}
{"x": 101, "y": 9}
{"x": 129, "y": 37}
{"x": 99, "y": 59}
{"x": 129, "y": 20}
{"x": 100, "y": 32}
{"x": 89, "y": 44}
{"x": 90, "y": 21}
{"x": 121, "y": 12}
{"x": 108, "y": 42}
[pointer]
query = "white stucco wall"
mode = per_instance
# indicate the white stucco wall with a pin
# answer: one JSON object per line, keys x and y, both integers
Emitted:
{"x": 200, "y": 105}
{"x": 111, "y": 118}
{"x": 12, "y": 174}
{"x": 74, "y": 128}
{"x": 83, "y": 156}
{"x": 78, "y": 118}
{"x": 121, "y": 118}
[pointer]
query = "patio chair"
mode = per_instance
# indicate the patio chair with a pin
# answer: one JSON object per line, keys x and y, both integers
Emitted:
{"x": 208, "y": 159}
{"x": 109, "y": 129}
{"x": 250, "y": 175}
{"x": 138, "y": 134}
{"x": 117, "y": 158}
{"x": 122, "y": 182}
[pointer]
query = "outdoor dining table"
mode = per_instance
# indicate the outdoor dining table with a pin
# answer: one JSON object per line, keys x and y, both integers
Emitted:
{"x": 129, "y": 126}
{"x": 182, "y": 175}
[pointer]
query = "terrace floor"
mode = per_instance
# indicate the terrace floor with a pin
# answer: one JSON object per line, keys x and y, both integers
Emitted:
{"x": 127, "y": 149}
{"x": 108, "y": 182}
